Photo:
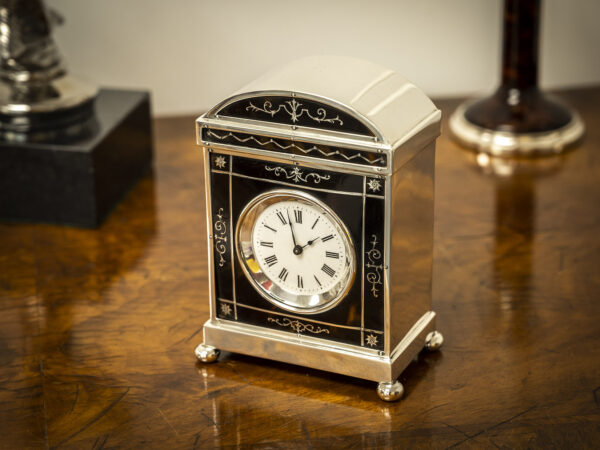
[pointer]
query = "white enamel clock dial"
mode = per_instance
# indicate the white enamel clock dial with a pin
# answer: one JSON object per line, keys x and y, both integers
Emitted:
{"x": 295, "y": 251}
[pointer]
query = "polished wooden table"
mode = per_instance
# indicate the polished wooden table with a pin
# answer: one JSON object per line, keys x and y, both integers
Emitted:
{"x": 98, "y": 327}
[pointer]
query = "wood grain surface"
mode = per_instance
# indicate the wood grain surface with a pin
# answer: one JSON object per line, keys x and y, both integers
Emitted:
{"x": 98, "y": 328}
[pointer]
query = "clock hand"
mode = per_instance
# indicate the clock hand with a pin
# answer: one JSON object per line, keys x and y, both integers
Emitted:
{"x": 297, "y": 249}
{"x": 311, "y": 242}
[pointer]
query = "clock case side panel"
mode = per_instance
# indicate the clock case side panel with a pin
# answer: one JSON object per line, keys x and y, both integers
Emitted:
{"x": 410, "y": 246}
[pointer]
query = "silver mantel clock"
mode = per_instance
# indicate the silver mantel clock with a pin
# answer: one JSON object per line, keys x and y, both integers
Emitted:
{"x": 319, "y": 182}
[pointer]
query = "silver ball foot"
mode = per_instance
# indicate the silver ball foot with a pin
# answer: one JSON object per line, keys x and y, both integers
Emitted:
{"x": 390, "y": 391}
{"x": 206, "y": 353}
{"x": 434, "y": 341}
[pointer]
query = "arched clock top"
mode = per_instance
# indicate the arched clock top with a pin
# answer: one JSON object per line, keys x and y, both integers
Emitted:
{"x": 295, "y": 110}
{"x": 332, "y": 98}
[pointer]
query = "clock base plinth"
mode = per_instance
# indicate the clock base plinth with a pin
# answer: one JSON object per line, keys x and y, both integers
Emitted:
{"x": 318, "y": 353}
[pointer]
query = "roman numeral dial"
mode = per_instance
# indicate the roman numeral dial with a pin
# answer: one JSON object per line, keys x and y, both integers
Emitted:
{"x": 296, "y": 251}
{"x": 328, "y": 270}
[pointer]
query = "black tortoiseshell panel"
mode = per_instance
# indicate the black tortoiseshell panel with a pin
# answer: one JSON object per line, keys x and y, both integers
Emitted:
{"x": 221, "y": 229}
{"x": 343, "y": 193}
{"x": 295, "y": 111}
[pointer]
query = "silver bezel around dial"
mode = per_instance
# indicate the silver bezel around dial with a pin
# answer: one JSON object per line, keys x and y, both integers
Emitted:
{"x": 305, "y": 304}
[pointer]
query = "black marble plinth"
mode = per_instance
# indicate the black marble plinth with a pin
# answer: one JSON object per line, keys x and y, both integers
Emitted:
{"x": 78, "y": 180}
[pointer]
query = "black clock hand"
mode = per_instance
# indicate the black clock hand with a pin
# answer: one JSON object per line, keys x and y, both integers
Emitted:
{"x": 311, "y": 242}
{"x": 297, "y": 249}
{"x": 291, "y": 228}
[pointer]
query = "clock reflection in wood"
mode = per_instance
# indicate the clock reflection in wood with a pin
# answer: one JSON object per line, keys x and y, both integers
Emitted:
{"x": 319, "y": 181}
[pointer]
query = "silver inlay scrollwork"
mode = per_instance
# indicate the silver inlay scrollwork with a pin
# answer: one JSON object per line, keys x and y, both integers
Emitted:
{"x": 298, "y": 326}
{"x": 374, "y": 266}
{"x": 307, "y": 151}
{"x": 220, "y": 227}
{"x": 297, "y": 175}
{"x": 292, "y": 107}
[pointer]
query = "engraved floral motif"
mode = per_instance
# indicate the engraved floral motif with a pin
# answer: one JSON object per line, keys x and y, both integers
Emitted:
{"x": 220, "y": 161}
{"x": 372, "y": 340}
{"x": 225, "y": 309}
{"x": 220, "y": 227}
{"x": 307, "y": 151}
{"x": 297, "y": 175}
{"x": 374, "y": 266}
{"x": 374, "y": 185}
{"x": 294, "y": 110}
{"x": 298, "y": 326}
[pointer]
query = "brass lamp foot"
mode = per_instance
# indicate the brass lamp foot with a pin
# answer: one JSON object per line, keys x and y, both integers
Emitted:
{"x": 498, "y": 139}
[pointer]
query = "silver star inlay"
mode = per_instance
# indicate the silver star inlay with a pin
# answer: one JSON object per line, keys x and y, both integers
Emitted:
{"x": 225, "y": 309}
{"x": 220, "y": 162}
{"x": 372, "y": 340}
{"x": 374, "y": 185}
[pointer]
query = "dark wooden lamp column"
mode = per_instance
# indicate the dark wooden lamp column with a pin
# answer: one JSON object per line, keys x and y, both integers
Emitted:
{"x": 518, "y": 119}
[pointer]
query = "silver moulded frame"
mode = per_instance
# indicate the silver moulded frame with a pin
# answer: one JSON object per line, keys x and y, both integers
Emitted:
{"x": 275, "y": 294}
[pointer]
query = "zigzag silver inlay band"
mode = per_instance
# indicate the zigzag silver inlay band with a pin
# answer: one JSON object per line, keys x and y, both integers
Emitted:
{"x": 293, "y": 145}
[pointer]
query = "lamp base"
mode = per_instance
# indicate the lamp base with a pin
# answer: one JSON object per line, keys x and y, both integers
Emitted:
{"x": 533, "y": 125}
{"x": 77, "y": 180}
